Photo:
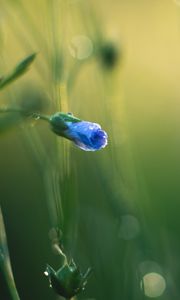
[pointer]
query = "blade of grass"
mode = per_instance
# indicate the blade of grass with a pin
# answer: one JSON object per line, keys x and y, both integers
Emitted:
{"x": 6, "y": 276}
{"x": 18, "y": 71}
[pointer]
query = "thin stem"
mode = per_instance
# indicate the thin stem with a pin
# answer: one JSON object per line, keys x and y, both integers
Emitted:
{"x": 39, "y": 116}
{"x": 7, "y": 281}
{"x": 34, "y": 115}
{"x": 59, "y": 251}
{"x": 6, "y": 275}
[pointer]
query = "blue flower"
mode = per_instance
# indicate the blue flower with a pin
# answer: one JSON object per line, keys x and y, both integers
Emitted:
{"x": 86, "y": 135}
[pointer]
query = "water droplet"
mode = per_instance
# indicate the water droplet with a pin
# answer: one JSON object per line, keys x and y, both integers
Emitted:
{"x": 46, "y": 273}
{"x": 81, "y": 47}
{"x": 153, "y": 285}
{"x": 36, "y": 117}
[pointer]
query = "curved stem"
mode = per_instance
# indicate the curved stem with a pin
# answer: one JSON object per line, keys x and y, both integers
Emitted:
{"x": 60, "y": 252}
{"x": 8, "y": 286}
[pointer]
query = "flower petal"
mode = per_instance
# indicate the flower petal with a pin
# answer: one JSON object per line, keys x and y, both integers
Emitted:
{"x": 86, "y": 135}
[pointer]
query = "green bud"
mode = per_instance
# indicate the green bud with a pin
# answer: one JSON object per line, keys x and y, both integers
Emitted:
{"x": 68, "y": 281}
{"x": 109, "y": 55}
{"x": 58, "y": 122}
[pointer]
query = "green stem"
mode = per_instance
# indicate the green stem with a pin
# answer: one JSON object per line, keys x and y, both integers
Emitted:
{"x": 8, "y": 287}
{"x": 7, "y": 283}
{"x": 23, "y": 112}
{"x": 39, "y": 116}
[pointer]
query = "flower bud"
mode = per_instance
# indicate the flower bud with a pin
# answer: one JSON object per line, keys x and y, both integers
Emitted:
{"x": 109, "y": 55}
{"x": 68, "y": 280}
{"x": 86, "y": 135}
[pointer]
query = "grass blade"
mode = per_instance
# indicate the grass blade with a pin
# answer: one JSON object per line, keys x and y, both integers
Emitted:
{"x": 7, "y": 284}
{"x": 18, "y": 71}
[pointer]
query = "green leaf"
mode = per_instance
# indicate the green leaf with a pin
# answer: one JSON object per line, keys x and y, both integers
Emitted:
{"x": 59, "y": 121}
{"x": 8, "y": 287}
{"x": 18, "y": 71}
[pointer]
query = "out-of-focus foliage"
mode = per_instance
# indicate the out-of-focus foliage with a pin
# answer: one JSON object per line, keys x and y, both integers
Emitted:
{"x": 8, "y": 288}
{"x": 18, "y": 71}
{"x": 116, "y": 63}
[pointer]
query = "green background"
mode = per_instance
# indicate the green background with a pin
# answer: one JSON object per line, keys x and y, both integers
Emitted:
{"x": 120, "y": 205}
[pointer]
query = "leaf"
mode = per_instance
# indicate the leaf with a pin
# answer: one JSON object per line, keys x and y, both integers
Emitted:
{"x": 18, "y": 71}
{"x": 6, "y": 275}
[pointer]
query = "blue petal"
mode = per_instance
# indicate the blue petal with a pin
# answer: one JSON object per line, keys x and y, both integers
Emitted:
{"x": 86, "y": 135}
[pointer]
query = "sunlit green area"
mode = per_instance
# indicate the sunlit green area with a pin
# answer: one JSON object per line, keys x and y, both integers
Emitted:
{"x": 116, "y": 210}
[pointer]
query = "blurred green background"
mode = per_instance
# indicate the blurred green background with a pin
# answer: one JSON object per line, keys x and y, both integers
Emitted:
{"x": 116, "y": 63}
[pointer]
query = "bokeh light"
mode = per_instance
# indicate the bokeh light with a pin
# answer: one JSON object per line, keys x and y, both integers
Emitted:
{"x": 116, "y": 63}
{"x": 81, "y": 47}
{"x": 129, "y": 227}
{"x": 149, "y": 266}
{"x": 153, "y": 285}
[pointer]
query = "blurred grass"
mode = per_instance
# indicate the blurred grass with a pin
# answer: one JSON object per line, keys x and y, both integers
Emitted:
{"x": 137, "y": 175}
{"x": 8, "y": 287}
